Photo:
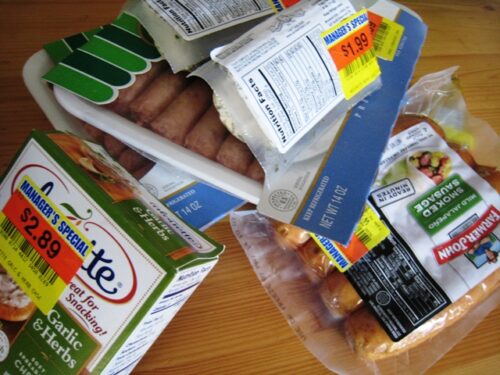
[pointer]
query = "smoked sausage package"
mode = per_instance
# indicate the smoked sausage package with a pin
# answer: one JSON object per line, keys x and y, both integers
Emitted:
{"x": 432, "y": 278}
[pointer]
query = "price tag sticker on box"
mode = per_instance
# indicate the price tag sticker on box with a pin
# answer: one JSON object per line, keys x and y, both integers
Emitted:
{"x": 45, "y": 248}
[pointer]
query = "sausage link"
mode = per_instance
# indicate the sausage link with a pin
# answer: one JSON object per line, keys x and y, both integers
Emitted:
{"x": 175, "y": 122}
{"x": 156, "y": 97}
{"x": 234, "y": 154}
{"x": 339, "y": 295}
{"x": 125, "y": 97}
{"x": 207, "y": 135}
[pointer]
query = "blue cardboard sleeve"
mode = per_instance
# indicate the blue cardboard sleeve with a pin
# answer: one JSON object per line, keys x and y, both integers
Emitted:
{"x": 331, "y": 202}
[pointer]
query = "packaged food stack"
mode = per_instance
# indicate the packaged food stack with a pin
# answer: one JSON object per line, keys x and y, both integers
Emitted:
{"x": 257, "y": 112}
{"x": 380, "y": 260}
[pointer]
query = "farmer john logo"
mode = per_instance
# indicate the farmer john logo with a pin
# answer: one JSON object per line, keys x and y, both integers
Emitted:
{"x": 441, "y": 205}
{"x": 108, "y": 271}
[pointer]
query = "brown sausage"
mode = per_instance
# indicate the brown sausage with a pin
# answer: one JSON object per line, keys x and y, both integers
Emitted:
{"x": 316, "y": 261}
{"x": 156, "y": 97}
{"x": 125, "y": 97}
{"x": 207, "y": 135}
{"x": 142, "y": 171}
{"x": 255, "y": 171}
{"x": 369, "y": 339}
{"x": 339, "y": 295}
{"x": 234, "y": 154}
{"x": 131, "y": 160}
{"x": 175, "y": 122}
{"x": 96, "y": 134}
{"x": 114, "y": 146}
{"x": 290, "y": 236}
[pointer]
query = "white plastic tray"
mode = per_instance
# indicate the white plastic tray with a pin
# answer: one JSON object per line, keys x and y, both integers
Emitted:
{"x": 64, "y": 109}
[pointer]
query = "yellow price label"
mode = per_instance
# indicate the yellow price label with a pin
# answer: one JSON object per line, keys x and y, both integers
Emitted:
{"x": 39, "y": 247}
{"x": 370, "y": 229}
{"x": 359, "y": 74}
{"x": 386, "y": 34}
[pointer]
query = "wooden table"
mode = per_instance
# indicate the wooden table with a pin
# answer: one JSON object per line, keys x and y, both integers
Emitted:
{"x": 230, "y": 326}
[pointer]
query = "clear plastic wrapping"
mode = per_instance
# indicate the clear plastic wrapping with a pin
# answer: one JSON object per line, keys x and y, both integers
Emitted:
{"x": 332, "y": 322}
{"x": 277, "y": 82}
{"x": 186, "y": 31}
{"x": 326, "y": 309}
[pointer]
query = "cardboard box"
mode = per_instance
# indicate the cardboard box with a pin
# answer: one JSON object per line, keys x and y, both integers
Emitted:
{"x": 101, "y": 266}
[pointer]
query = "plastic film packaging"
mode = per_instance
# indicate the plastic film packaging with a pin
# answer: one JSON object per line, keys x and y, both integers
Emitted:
{"x": 336, "y": 327}
{"x": 278, "y": 81}
{"x": 200, "y": 204}
{"x": 186, "y": 31}
{"x": 351, "y": 322}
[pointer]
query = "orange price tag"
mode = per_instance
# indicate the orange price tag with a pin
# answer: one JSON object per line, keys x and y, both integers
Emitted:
{"x": 374, "y": 21}
{"x": 42, "y": 237}
{"x": 279, "y": 5}
{"x": 350, "y": 48}
{"x": 355, "y": 250}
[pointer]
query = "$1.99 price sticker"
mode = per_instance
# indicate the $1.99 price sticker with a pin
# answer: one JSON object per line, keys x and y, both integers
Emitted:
{"x": 40, "y": 248}
{"x": 350, "y": 45}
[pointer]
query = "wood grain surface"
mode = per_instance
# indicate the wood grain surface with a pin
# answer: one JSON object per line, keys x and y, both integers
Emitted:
{"x": 230, "y": 325}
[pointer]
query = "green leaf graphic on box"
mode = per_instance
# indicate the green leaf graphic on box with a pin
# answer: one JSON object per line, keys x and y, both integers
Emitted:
{"x": 441, "y": 205}
{"x": 133, "y": 43}
{"x": 115, "y": 55}
{"x": 65, "y": 345}
{"x": 80, "y": 84}
{"x": 111, "y": 59}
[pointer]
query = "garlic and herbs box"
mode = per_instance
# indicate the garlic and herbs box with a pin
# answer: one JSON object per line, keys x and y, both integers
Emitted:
{"x": 93, "y": 267}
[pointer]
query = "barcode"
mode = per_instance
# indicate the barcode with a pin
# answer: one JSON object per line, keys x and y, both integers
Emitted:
{"x": 363, "y": 236}
{"x": 380, "y": 36}
{"x": 358, "y": 64}
{"x": 37, "y": 263}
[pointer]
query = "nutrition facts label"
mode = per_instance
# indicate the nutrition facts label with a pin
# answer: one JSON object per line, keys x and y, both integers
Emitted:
{"x": 194, "y": 19}
{"x": 396, "y": 286}
{"x": 284, "y": 71}
{"x": 287, "y": 95}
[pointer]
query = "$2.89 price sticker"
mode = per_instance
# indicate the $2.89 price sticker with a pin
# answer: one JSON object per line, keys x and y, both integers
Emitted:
{"x": 43, "y": 248}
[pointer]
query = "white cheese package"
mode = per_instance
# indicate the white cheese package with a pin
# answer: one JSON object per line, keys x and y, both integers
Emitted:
{"x": 283, "y": 77}
{"x": 186, "y": 31}
{"x": 431, "y": 280}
